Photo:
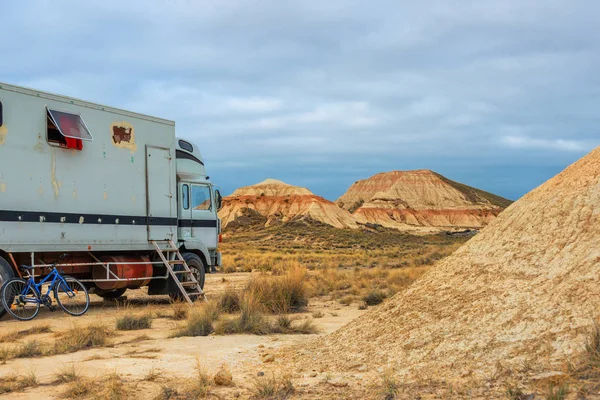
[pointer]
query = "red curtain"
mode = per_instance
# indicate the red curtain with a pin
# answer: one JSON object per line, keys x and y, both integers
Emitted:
{"x": 69, "y": 126}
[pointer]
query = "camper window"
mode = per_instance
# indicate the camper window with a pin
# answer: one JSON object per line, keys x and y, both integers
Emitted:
{"x": 66, "y": 130}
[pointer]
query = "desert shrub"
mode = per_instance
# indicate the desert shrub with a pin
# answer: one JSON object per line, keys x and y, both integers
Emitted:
{"x": 134, "y": 322}
{"x": 374, "y": 297}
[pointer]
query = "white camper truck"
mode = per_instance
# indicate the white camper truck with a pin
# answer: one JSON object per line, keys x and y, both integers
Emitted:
{"x": 129, "y": 202}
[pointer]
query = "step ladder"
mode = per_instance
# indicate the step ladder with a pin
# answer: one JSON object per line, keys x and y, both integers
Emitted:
{"x": 189, "y": 280}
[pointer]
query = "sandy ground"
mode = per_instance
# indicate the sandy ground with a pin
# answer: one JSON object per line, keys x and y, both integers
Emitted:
{"x": 133, "y": 359}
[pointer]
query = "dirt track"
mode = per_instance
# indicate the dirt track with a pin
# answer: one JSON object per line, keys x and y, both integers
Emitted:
{"x": 132, "y": 359}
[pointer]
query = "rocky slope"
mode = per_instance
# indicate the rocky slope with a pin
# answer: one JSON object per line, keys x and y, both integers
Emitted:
{"x": 411, "y": 199}
{"x": 273, "y": 201}
{"x": 522, "y": 295}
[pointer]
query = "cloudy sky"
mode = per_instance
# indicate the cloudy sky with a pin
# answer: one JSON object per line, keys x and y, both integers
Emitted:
{"x": 500, "y": 95}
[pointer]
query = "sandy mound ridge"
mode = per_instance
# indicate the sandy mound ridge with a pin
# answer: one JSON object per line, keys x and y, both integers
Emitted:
{"x": 422, "y": 198}
{"x": 279, "y": 202}
{"x": 523, "y": 291}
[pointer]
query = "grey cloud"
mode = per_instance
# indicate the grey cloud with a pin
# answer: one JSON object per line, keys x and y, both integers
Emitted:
{"x": 345, "y": 87}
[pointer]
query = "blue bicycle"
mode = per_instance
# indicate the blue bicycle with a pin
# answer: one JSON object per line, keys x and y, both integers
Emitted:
{"x": 22, "y": 297}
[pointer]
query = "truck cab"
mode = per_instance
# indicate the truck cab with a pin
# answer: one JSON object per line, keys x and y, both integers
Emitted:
{"x": 198, "y": 201}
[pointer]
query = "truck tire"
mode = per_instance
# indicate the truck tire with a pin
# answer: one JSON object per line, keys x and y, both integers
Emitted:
{"x": 198, "y": 269}
{"x": 6, "y": 273}
{"x": 110, "y": 294}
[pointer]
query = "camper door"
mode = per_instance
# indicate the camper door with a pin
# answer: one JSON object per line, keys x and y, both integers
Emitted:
{"x": 159, "y": 199}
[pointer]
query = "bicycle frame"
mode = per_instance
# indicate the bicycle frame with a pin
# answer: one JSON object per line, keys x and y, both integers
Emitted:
{"x": 37, "y": 287}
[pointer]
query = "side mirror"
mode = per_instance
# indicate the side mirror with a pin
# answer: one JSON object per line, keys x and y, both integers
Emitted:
{"x": 219, "y": 199}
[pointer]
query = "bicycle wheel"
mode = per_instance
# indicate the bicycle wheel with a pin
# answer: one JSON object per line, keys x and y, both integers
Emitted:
{"x": 20, "y": 300}
{"x": 72, "y": 296}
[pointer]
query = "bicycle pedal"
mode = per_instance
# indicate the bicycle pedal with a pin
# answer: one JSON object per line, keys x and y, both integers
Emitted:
{"x": 52, "y": 308}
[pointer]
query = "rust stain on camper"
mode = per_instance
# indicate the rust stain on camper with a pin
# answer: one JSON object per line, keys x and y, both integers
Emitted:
{"x": 55, "y": 184}
{"x": 123, "y": 135}
{"x": 3, "y": 133}
{"x": 2, "y": 187}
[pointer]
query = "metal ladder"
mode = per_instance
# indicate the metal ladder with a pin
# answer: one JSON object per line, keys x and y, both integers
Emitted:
{"x": 186, "y": 272}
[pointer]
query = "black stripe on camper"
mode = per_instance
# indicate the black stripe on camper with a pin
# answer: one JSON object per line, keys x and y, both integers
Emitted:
{"x": 197, "y": 223}
{"x": 78, "y": 218}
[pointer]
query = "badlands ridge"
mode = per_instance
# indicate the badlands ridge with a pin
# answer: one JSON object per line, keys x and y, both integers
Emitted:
{"x": 406, "y": 200}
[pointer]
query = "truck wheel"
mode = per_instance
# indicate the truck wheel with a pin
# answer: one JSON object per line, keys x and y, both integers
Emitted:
{"x": 198, "y": 269}
{"x": 110, "y": 294}
{"x": 6, "y": 273}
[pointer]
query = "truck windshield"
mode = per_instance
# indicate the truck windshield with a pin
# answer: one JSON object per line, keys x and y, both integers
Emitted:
{"x": 201, "y": 197}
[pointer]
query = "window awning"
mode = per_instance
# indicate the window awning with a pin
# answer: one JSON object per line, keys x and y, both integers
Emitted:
{"x": 70, "y": 125}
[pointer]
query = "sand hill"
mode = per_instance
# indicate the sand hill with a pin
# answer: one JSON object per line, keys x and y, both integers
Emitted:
{"x": 276, "y": 202}
{"x": 423, "y": 198}
{"x": 523, "y": 292}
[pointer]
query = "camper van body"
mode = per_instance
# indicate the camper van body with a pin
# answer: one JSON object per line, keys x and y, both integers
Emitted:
{"x": 99, "y": 183}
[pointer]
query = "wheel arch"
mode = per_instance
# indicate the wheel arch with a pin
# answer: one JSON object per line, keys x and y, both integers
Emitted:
{"x": 200, "y": 250}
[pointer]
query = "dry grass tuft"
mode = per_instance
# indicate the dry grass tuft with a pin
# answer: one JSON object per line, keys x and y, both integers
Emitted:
{"x": 114, "y": 388}
{"x": 287, "y": 325}
{"x": 167, "y": 392}
{"x": 130, "y": 322}
{"x": 36, "y": 330}
{"x": 152, "y": 375}
{"x": 16, "y": 383}
{"x": 82, "y": 387}
{"x": 250, "y": 320}
{"x": 29, "y": 349}
{"x": 273, "y": 387}
{"x": 229, "y": 301}
{"x": 389, "y": 387}
{"x": 200, "y": 384}
{"x": 180, "y": 311}
{"x": 592, "y": 347}
{"x": 79, "y": 338}
{"x": 559, "y": 392}
{"x": 281, "y": 294}
{"x": 67, "y": 374}
{"x": 199, "y": 321}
